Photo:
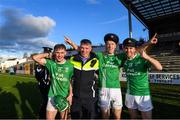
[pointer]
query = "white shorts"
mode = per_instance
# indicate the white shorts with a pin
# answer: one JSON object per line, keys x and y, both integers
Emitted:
{"x": 110, "y": 98}
{"x": 142, "y": 103}
{"x": 51, "y": 104}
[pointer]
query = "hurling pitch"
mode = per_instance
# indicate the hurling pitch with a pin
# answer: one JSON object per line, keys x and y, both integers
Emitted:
{"x": 20, "y": 98}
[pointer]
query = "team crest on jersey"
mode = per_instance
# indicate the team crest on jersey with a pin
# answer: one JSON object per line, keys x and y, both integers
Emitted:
{"x": 130, "y": 64}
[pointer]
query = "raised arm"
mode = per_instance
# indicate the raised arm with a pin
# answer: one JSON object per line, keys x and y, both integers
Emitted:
{"x": 153, "y": 40}
{"x": 153, "y": 61}
{"x": 70, "y": 42}
{"x": 40, "y": 58}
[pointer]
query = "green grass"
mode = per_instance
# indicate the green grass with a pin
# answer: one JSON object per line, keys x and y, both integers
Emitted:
{"x": 20, "y": 98}
{"x": 165, "y": 99}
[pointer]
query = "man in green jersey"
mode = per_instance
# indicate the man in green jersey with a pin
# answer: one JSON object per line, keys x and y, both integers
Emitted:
{"x": 109, "y": 68}
{"x": 61, "y": 71}
{"x": 109, "y": 85}
{"x": 136, "y": 67}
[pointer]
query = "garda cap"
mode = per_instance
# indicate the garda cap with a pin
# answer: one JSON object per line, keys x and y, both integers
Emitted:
{"x": 47, "y": 49}
{"x": 111, "y": 37}
{"x": 130, "y": 42}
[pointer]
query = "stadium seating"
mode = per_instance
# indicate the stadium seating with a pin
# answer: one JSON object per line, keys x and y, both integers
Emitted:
{"x": 168, "y": 53}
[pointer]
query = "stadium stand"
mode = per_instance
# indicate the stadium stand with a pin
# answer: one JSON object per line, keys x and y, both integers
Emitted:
{"x": 161, "y": 17}
{"x": 170, "y": 63}
{"x": 167, "y": 51}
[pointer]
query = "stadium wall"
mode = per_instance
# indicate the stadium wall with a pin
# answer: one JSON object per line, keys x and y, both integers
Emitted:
{"x": 163, "y": 78}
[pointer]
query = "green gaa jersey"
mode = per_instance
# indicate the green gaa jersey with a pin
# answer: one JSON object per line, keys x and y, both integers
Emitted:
{"x": 137, "y": 77}
{"x": 109, "y": 69}
{"x": 60, "y": 77}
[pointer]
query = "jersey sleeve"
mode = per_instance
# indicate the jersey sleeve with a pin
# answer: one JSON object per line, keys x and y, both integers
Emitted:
{"x": 148, "y": 64}
{"x": 72, "y": 71}
{"x": 122, "y": 57}
{"x": 98, "y": 54}
{"x": 48, "y": 64}
{"x": 71, "y": 66}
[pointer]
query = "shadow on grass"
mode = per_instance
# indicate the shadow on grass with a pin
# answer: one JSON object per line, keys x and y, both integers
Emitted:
{"x": 7, "y": 107}
{"x": 30, "y": 99}
{"x": 165, "y": 111}
{"x": 162, "y": 100}
{"x": 160, "y": 111}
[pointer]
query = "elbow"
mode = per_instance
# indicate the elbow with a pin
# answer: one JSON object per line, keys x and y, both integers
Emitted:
{"x": 160, "y": 68}
{"x": 33, "y": 57}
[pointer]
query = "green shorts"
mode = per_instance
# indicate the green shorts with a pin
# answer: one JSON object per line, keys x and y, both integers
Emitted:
{"x": 61, "y": 103}
{"x": 57, "y": 103}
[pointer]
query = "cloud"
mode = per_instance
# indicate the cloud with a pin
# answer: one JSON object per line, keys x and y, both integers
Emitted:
{"x": 36, "y": 43}
{"x": 114, "y": 20}
{"x": 93, "y": 1}
{"x": 20, "y": 31}
{"x": 31, "y": 45}
{"x": 17, "y": 26}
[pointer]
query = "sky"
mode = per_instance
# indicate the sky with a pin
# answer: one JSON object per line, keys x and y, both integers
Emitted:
{"x": 28, "y": 25}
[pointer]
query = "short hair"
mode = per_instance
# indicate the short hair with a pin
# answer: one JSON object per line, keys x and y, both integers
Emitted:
{"x": 85, "y": 41}
{"x": 59, "y": 46}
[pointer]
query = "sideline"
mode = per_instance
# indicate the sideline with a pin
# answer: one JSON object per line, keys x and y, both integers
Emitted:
{"x": 29, "y": 77}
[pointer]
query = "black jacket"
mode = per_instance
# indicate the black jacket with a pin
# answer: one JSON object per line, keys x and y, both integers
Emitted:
{"x": 84, "y": 80}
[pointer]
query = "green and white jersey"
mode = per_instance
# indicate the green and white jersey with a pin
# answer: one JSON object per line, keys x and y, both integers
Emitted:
{"x": 137, "y": 77}
{"x": 60, "y": 77}
{"x": 109, "y": 69}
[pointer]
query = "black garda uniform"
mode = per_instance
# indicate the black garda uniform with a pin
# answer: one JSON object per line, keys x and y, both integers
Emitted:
{"x": 43, "y": 78}
{"x": 84, "y": 105}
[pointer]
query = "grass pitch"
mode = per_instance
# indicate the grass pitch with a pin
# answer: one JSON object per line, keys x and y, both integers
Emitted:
{"x": 20, "y": 98}
{"x": 165, "y": 99}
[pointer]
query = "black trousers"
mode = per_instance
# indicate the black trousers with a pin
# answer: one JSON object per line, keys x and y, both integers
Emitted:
{"x": 84, "y": 108}
{"x": 44, "y": 93}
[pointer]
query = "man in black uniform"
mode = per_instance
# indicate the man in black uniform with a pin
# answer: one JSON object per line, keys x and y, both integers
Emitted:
{"x": 43, "y": 78}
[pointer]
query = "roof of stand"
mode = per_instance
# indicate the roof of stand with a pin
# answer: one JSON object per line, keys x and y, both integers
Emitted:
{"x": 156, "y": 15}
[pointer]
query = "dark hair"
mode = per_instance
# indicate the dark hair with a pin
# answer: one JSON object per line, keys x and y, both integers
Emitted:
{"x": 59, "y": 46}
{"x": 111, "y": 37}
{"x": 85, "y": 41}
